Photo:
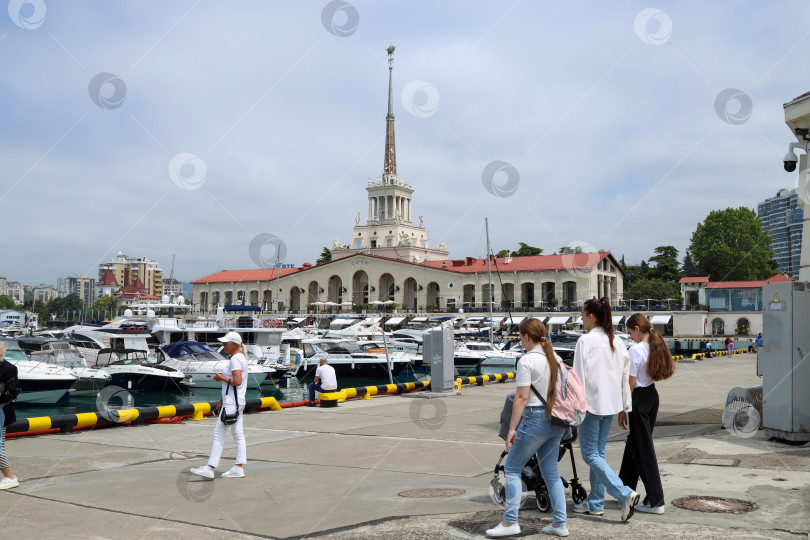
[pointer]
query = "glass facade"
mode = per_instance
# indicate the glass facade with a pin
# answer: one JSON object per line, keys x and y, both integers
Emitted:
{"x": 782, "y": 216}
{"x": 748, "y": 299}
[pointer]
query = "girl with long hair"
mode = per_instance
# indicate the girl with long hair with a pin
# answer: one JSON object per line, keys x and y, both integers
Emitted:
{"x": 650, "y": 361}
{"x": 602, "y": 362}
{"x": 531, "y": 431}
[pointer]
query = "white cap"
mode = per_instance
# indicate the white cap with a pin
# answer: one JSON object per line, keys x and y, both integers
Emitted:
{"x": 232, "y": 337}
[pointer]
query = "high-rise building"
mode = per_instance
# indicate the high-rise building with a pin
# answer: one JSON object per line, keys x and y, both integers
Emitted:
{"x": 61, "y": 287}
{"x": 45, "y": 293}
{"x": 147, "y": 270}
{"x": 3, "y": 286}
{"x": 84, "y": 286}
{"x": 16, "y": 291}
{"x": 781, "y": 216}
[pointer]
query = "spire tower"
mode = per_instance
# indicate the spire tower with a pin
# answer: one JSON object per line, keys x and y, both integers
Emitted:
{"x": 390, "y": 164}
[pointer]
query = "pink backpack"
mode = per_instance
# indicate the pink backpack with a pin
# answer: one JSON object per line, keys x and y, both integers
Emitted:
{"x": 570, "y": 404}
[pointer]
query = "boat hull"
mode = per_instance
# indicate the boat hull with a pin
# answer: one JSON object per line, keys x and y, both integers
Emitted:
{"x": 146, "y": 383}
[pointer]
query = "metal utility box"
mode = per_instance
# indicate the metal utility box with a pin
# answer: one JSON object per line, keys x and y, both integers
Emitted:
{"x": 784, "y": 360}
{"x": 437, "y": 352}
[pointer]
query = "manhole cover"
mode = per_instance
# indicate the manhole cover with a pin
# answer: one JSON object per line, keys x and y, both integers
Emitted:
{"x": 716, "y": 505}
{"x": 431, "y": 493}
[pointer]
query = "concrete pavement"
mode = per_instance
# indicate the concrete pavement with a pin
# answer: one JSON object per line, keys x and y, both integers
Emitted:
{"x": 365, "y": 469}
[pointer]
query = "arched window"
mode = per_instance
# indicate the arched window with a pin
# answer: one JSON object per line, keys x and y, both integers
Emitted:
{"x": 718, "y": 327}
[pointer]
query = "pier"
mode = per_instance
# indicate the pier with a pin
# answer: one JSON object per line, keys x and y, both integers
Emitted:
{"x": 392, "y": 466}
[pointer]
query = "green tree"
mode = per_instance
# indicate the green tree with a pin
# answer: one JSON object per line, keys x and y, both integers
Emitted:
{"x": 666, "y": 264}
{"x": 656, "y": 289}
{"x": 689, "y": 268}
{"x": 568, "y": 250}
{"x": 326, "y": 256}
{"x": 730, "y": 245}
{"x": 105, "y": 302}
{"x": 526, "y": 250}
{"x": 69, "y": 303}
{"x": 7, "y": 302}
{"x": 635, "y": 273}
{"x": 502, "y": 253}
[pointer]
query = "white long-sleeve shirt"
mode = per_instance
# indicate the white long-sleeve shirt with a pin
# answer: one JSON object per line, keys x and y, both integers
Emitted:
{"x": 604, "y": 373}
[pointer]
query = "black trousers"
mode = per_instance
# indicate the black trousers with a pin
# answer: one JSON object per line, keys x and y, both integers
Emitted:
{"x": 639, "y": 459}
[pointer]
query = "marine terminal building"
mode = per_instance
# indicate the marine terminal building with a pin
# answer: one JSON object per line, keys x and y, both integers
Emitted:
{"x": 389, "y": 261}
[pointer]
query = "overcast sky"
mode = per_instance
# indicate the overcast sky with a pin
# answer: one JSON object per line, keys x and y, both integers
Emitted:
{"x": 191, "y": 127}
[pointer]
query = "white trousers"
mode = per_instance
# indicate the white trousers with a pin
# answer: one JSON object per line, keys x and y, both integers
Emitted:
{"x": 219, "y": 441}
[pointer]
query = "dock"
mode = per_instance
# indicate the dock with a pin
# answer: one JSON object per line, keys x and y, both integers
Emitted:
{"x": 396, "y": 466}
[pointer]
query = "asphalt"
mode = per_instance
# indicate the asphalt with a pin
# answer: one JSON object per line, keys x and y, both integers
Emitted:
{"x": 394, "y": 467}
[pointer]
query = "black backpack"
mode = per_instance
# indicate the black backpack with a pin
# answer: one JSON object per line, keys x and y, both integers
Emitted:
{"x": 9, "y": 389}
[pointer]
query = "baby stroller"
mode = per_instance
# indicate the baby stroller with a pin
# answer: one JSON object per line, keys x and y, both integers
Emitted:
{"x": 531, "y": 477}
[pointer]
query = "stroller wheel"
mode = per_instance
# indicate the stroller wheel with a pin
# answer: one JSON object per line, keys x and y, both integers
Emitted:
{"x": 497, "y": 491}
{"x": 543, "y": 503}
{"x": 579, "y": 494}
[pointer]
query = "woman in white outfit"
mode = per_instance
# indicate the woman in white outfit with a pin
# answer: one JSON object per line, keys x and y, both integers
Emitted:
{"x": 234, "y": 383}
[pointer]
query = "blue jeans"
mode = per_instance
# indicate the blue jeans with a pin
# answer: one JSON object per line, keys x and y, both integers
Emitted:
{"x": 313, "y": 387}
{"x": 593, "y": 434}
{"x": 535, "y": 434}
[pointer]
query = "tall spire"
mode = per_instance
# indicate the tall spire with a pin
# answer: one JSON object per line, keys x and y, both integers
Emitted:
{"x": 390, "y": 165}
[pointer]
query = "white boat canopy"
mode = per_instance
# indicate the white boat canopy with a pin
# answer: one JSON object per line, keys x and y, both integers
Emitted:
{"x": 661, "y": 319}
{"x": 515, "y": 319}
{"x": 541, "y": 319}
{"x": 558, "y": 320}
{"x": 299, "y": 319}
{"x": 419, "y": 319}
{"x": 617, "y": 319}
{"x": 394, "y": 320}
{"x": 579, "y": 320}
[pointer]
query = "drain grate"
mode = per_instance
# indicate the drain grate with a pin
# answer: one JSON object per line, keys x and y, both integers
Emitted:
{"x": 715, "y": 505}
{"x": 431, "y": 493}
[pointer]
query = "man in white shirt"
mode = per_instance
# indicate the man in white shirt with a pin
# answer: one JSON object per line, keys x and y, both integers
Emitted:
{"x": 325, "y": 381}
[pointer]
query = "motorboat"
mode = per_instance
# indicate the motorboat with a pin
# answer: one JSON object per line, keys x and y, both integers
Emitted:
{"x": 566, "y": 354}
{"x": 131, "y": 369}
{"x": 89, "y": 380}
{"x": 350, "y": 360}
{"x": 41, "y": 383}
{"x": 201, "y": 363}
{"x": 253, "y": 360}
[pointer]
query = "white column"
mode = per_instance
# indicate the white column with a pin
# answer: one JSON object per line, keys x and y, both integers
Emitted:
{"x": 409, "y": 210}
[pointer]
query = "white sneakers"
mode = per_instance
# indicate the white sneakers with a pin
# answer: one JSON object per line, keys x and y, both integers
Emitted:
{"x": 582, "y": 508}
{"x": 557, "y": 531}
{"x": 500, "y": 530}
{"x": 8, "y": 483}
{"x": 629, "y": 505}
{"x": 235, "y": 472}
{"x": 205, "y": 471}
{"x": 647, "y": 509}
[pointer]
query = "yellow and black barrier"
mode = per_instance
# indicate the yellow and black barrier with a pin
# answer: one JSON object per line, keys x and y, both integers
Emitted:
{"x": 331, "y": 399}
{"x": 66, "y": 423}
{"x": 480, "y": 380}
{"x": 677, "y": 358}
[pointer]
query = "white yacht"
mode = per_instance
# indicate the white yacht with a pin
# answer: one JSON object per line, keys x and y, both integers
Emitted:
{"x": 89, "y": 381}
{"x": 40, "y": 383}
{"x": 131, "y": 369}
{"x": 350, "y": 360}
{"x": 201, "y": 363}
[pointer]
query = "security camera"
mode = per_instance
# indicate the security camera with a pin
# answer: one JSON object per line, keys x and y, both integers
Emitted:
{"x": 790, "y": 161}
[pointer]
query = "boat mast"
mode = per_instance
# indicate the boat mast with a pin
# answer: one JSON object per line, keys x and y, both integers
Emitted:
{"x": 489, "y": 290}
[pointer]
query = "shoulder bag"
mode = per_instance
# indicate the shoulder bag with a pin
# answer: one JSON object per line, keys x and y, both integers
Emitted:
{"x": 230, "y": 419}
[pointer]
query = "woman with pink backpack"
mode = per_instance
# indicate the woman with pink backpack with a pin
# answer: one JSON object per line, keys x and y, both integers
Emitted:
{"x": 531, "y": 430}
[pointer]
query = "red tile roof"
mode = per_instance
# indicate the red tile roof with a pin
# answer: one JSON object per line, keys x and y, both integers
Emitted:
{"x": 535, "y": 263}
{"x": 237, "y": 276}
{"x": 702, "y": 279}
{"x": 108, "y": 279}
{"x": 778, "y": 278}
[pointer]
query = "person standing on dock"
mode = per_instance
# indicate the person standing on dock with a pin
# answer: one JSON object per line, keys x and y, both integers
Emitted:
{"x": 650, "y": 361}
{"x": 730, "y": 345}
{"x": 8, "y": 376}
{"x": 325, "y": 381}
{"x": 234, "y": 383}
